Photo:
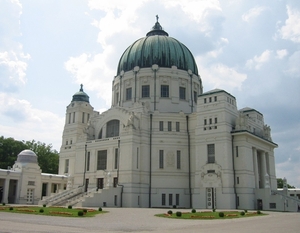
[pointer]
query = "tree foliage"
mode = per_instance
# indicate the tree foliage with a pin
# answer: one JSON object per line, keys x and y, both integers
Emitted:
{"x": 280, "y": 184}
{"x": 10, "y": 148}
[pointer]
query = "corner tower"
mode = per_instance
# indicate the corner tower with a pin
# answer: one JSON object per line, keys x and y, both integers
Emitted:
{"x": 77, "y": 118}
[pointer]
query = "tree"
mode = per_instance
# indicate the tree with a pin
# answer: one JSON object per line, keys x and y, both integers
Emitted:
{"x": 9, "y": 150}
{"x": 48, "y": 158}
{"x": 280, "y": 184}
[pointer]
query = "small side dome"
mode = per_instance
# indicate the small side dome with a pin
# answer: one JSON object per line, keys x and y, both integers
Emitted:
{"x": 27, "y": 156}
{"x": 81, "y": 96}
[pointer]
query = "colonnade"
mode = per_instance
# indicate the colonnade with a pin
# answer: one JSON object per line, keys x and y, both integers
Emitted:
{"x": 261, "y": 168}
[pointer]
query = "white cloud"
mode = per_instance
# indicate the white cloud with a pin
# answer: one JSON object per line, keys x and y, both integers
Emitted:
{"x": 189, "y": 7}
{"x": 200, "y": 12}
{"x": 258, "y": 61}
{"x": 219, "y": 48}
{"x": 290, "y": 170}
{"x": 96, "y": 71}
{"x": 281, "y": 53}
{"x": 220, "y": 76}
{"x": 16, "y": 66}
{"x": 32, "y": 123}
{"x": 253, "y": 13}
{"x": 93, "y": 72}
{"x": 13, "y": 60}
{"x": 291, "y": 29}
{"x": 115, "y": 4}
{"x": 293, "y": 68}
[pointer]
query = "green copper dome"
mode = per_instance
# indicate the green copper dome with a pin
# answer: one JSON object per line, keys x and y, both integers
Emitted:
{"x": 81, "y": 96}
{"x": 157, "y": 48}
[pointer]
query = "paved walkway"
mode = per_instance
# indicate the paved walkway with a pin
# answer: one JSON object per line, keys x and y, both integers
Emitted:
{"x": 143, "y": 220}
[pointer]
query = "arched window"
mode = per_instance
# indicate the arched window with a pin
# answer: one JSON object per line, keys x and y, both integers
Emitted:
{"x": 112, "y": 128}
{"x": 100, "y": 134}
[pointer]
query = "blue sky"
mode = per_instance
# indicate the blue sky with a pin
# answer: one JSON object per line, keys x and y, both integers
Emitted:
{"x": 251, "y": 49}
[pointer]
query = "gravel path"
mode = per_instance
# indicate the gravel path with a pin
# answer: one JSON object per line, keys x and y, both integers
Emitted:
{"x": 143, "y": 220}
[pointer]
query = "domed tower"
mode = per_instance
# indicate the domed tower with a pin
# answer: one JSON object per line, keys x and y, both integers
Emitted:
{"x": 30, "y": 183}
{"x": 77, "y": 119}
{"x": 159, "y": 71}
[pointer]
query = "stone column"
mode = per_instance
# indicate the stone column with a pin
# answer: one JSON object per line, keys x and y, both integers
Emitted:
{"x": 18, "y": 192}
{"x": 256, "y": 173}
{"x": 61, "y": 186}
{"x": 263, "y": 168}
{"x": 49, "y": 186}
{"x": 6, "y": 190}
{"x": 267, "y": 175}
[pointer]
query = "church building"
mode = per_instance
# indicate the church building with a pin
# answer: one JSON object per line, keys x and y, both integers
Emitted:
{"x": 165, "y": 143}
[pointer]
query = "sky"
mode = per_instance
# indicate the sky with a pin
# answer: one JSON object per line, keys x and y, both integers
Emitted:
{"x": 250, "y": 49}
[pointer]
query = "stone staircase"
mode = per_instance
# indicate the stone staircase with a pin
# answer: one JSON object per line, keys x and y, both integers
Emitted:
{"x": 287, "y": 197}
{"x": 61, "y": 197}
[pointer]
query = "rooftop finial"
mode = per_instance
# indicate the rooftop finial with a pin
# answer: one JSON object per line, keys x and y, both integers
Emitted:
{"x": 157, "y": 29}
{"x": 81, "y": 87}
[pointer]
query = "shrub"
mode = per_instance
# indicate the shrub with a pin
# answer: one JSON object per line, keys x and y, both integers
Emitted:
{"x": 69, "y": 207}
{"x": 178, "y": 214}
{"x": 11, "y": 208}
{"x": 193, "y": 211}
{"x": 44, "y": 205}
{"x": 100, "y": 209}
{"x": 242, "y": 213}
{"x": 80, "y": 213}
{"x": 246, "y": 211}
{"x": 85, "y": 211}
{"x": 221, "y": 214}
{"x": 3, "y": 203}
{"x": 41, "y": 210}
{"x": 170, "y": 212}
{"x": 214, "y": 210}
{"x": 258, "y": 212}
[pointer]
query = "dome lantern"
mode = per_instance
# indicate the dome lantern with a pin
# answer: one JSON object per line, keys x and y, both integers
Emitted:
{"x": 157, "y": 29}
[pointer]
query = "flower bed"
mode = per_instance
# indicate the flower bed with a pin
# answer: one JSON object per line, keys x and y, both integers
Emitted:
{"x": 209, "y": 215}
{"x": 231, "y": 215}
{"x": 198, "y": 216}
{"x": 252, "y": 213}
{"x": 25, "y": 210}
{"x": 60, "y": 213}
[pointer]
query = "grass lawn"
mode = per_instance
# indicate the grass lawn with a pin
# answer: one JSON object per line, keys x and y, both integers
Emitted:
{"x": 210, "y": 214}
{"x": 53, "y": 211}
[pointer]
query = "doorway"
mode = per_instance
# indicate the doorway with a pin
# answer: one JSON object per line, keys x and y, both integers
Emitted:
{"x": 30, "y": 196}
{"x": 259, "y": 204}
{"x": 86, "y": 185}
{"x": 211, "y": 198}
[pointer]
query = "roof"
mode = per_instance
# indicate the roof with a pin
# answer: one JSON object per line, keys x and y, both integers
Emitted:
{"x": 27, "y": 156}
{"x": 215, "y": 91}
{"x": 247, "y": 109}
{"x": 81, "y": 96}
{"x": 157, "y": 48}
